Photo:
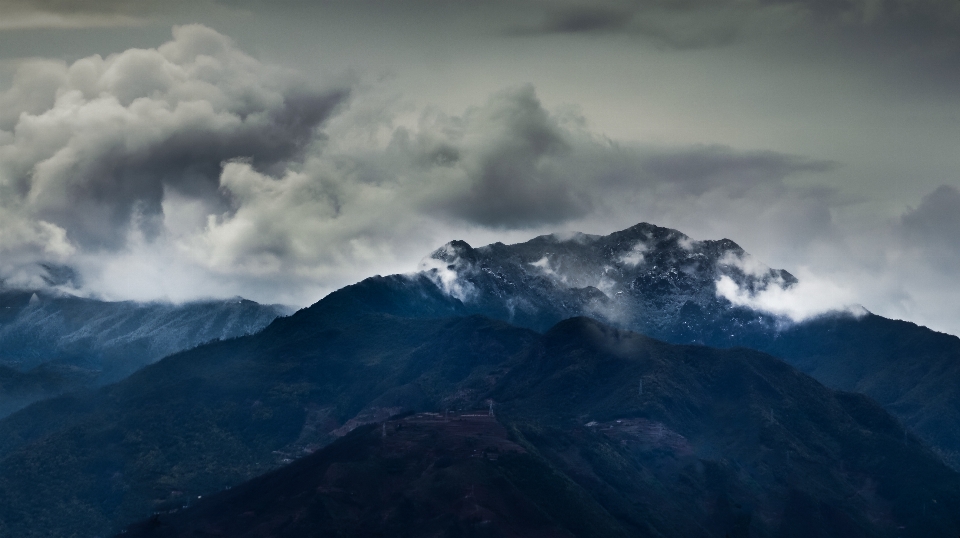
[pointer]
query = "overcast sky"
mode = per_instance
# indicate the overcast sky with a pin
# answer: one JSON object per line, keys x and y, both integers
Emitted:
{"x": 280, "y": 150}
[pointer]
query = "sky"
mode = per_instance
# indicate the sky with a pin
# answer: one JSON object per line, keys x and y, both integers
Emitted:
{"x": 280, "y": 150}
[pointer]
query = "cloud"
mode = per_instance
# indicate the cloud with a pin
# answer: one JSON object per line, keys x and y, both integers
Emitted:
{"x": 751, "y": 283}
{"x": 930, "y": 25}
{"x": 42, "y": 20}
{"x": 634, "y": 256}
{"x": 702, "y": 168}
{"x": 56, "y": 15}
{"x": 497, "y": 165}
{"x": 903, "y": 267}
{"x": 747, "y": 264}
{"x": 195, "y": 169}
{"x": 680, "y": 25}
{"x": 585, "y": 19}
{"x": 442, "y": 267}
{"x": 543, "y": 264}
{"x": 512, "y": 164}
{"x": 809, "y": 298}
{"x": 91, "y": 147}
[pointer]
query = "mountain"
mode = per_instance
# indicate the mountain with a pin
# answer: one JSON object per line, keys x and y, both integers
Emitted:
{"x": 217, "y": 415}
{"x": 52, "y": 343}
{"x": 649, "y": 437}
{"x": 659, "y": 282}
{"x": 421, "y": 475}
{"x": 20, "y": 389}
{"x": 718, "y": 442}
{"x": 653, "y": 280}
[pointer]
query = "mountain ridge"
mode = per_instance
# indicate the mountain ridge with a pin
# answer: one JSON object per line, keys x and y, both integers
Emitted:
{"x": 51, "y": 343}
{"x": 659, "y": 282}
{"x": 720, "y": 442}
{"x": 217, "y": 415}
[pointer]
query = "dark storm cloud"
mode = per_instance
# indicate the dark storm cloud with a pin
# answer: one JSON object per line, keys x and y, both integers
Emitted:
{"x": 586, "y": 19}
{"x": 929, "y": 24}
{"x": 506, "y": 164}
{"x": 680, "y": 25}
{"x": 196, "y": 168}
{"x": 123, "y": 130}
{"x": 118, "y": 181}
{"x": 510, "y": 163}
{"x": 507, "y": 152}
{"x": 60, "y": 275}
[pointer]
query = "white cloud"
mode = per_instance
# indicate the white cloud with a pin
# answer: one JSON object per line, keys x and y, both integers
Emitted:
{"x": 444, "y": 273}
{"x": 746, "y": 263}
{"x": 809, "y": 298}
{"x": 543, "y": 264}
{"x": 634, "y": 256}
{"x": 687, "y": 243}
{"x": 208, "y": 162}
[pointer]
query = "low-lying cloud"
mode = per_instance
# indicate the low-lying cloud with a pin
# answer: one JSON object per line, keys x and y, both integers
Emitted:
{"x": 780, "y": 294}
{"x": 809, "y": 298}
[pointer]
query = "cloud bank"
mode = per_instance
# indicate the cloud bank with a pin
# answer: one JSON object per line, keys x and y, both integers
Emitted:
{"x": 194, "y": 169}
{"x": 90, "y": 152}
{"x": 150, "y": 167}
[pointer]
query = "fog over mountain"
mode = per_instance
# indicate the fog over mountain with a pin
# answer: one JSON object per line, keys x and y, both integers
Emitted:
{"x": 280, "y": 152}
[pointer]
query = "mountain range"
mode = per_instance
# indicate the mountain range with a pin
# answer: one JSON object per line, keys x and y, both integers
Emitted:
{"x": 718, "y": 443}
{"x": 52, "y": 342}
{"x": 661, "y": 283}
{"x": 305, "y": 427}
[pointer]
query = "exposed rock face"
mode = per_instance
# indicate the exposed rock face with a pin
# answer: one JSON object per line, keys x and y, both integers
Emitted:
{"x": 650, "y": 279}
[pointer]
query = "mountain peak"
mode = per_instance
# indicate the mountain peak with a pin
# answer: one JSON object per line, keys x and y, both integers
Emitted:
{"x": 645, "y": 277}
{"x": 454, "y": 251}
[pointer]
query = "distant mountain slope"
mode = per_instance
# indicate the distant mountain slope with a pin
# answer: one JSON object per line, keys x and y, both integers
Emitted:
{"x": 53, "y": 343}
{"x": 910, "y": 370}
{"x": 661, "y": 283}
{"x": 718, "y": 441}
{"x": 20, "y": 389}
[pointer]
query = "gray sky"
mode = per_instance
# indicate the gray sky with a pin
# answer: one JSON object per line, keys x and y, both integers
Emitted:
{"x": 172, "y": 150}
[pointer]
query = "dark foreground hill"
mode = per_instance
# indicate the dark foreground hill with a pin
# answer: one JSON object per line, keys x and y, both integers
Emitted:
{"x": 718, "y": 441}
{"x": 55, "y": 343}
{"x": 422, "y": 475}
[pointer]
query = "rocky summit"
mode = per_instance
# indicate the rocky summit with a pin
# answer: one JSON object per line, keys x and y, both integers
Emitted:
{"x": 647, "y": 278}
